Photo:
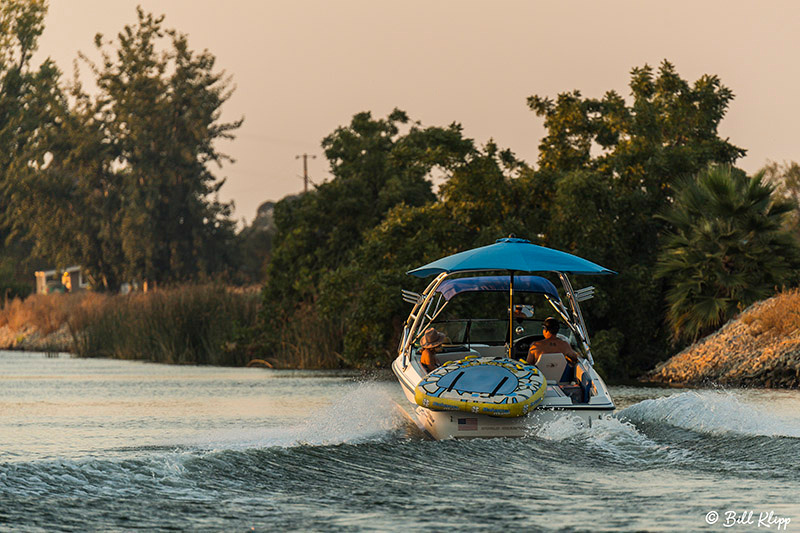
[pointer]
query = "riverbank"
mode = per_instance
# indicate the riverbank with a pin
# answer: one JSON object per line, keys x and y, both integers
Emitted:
{"x": 39, "y": 322}
{"x": 759, "y": 348}
{"x": 30, "y": 339}
{"x": 211, "y": 325}
{"x": 191, "y": 324}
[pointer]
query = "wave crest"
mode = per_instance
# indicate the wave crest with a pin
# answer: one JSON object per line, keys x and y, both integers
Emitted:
{"x": 714, "y": 412}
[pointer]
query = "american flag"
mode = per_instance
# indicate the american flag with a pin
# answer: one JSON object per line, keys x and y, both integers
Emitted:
{"x": 467, "y": 424}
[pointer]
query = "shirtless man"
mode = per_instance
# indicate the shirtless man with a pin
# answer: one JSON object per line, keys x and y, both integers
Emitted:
{"x": 551, "y": 344}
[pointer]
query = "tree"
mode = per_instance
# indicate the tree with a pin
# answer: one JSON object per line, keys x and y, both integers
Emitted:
{"x": 161, "y": 114}
{"x": 377, "y": 164}
{"x": 606, "y": 166}
{"x": 26, "y": 93}
{"x": 119, "y": 182}
{"x": 727, "y": 249}
{"x": 669, "y": 130}
{"x": 667, "y": 133}
{"x": 479, "y": 202}
{"x": 70, "y": 206}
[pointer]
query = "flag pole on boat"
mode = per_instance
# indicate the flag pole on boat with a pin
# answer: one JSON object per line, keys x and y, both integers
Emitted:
{"x": 511, "y": 315}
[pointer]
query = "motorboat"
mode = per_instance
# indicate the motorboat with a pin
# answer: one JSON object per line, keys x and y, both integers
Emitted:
{"x": 490, "y": 304}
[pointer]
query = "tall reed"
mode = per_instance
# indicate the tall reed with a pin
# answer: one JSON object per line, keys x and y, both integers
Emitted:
{"x": 189, "y": 324}
{"x": 192, "y": 324}
{"x": 306, "y": 340}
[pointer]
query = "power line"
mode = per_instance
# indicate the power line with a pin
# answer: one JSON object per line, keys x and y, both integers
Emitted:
{"x": 305, "y": 169}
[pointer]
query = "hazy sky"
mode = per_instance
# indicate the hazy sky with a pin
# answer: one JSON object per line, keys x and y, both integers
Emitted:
{"x": 304, "y": 67}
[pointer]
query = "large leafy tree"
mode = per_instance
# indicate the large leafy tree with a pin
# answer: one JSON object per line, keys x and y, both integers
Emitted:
{"x": 121, "y": 180}
{"x": 479, "y": 202}
{"x": 375, "y": 167}
{"x": 67, "y": 198}
{"x": 668, "y": 130}
{"x": 607, "y": 166}
{"x": 161, "y": 115}
{"x": 727, "y": 249}
{"x": 377, "y": 164}
{"x": 27, "y": 93}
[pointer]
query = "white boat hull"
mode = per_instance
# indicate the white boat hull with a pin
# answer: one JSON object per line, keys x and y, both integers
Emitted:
{"x": 441, "y": 425}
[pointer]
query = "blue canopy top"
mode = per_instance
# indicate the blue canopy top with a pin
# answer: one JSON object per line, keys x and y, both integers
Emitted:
{"x": 518, "y": 255}
{"x": 452, "y": 287}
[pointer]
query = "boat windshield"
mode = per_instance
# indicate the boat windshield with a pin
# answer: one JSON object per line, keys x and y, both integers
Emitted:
{"x": 492, "y": 332}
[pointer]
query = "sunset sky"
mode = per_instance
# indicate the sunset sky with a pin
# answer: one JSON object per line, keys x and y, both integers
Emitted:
{"x": 304, "y": 67}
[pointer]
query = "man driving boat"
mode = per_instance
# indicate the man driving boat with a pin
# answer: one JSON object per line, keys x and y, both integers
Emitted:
{"x": 551, "y": 344}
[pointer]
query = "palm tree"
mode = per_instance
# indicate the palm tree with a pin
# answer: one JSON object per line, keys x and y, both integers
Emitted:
{"x": 729, "y": 247}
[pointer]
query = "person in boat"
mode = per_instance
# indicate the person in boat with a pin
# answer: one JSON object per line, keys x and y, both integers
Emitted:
{"x": 431, "y": 343}
{"x": 551, "y": 344}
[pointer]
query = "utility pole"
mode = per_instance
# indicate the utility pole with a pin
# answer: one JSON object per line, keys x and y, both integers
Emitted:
{"x": 305, "y": 169}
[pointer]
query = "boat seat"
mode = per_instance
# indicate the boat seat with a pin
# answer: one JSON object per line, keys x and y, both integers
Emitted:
{"x": 454, "y": 355}
{"x": 554, "y": 367}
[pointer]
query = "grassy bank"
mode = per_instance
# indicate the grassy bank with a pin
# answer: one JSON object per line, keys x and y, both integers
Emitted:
{"x": 192, "y": 324}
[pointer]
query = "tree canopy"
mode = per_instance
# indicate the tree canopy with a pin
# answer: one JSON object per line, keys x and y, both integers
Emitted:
{"x": 120, "y": 181}
{"x": 607, "y": 168}
{"x": 611, "y": 165}
{"x": 123, "y": 181}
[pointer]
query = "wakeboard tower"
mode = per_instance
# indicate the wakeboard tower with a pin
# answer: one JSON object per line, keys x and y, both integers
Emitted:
{"x": 483, "y": 387}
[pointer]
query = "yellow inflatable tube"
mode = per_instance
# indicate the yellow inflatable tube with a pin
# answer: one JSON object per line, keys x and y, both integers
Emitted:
{"x": 483, "y": 385}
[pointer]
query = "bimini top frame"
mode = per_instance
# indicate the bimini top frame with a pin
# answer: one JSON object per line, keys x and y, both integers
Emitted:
{"x": 511, "y": 255}
{"x": 430, "y": 304}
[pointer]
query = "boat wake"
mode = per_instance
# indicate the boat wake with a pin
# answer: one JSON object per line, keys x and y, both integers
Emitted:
{"x": 712, "y": 431}
{"x": 713, "y": 412}
{"x": 668, "y": 430}
{"x": 364, "y": 412}
{"x": 360, "y": 436}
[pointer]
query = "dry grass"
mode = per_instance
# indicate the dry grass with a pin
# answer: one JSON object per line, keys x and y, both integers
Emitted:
{"x": 778, "y": 316}
{"x": 45, "y": 313}
{"x": 196, "y": 324}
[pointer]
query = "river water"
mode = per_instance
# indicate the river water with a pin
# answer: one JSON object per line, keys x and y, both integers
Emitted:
{"x": 95, "y": 444}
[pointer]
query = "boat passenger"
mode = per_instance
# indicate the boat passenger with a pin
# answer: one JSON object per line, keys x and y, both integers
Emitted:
{"x": 431, "y": 343}
{"x": 551, "y": 344}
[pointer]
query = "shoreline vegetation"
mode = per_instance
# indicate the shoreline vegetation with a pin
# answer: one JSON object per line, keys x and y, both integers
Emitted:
{"x": 202, "y": 324}
{"x": 214, "y": 325}
{"x": 190, "y": 324}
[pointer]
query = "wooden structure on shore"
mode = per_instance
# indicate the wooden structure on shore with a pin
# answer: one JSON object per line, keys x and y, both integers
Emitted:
{"x": 68, "y": 280}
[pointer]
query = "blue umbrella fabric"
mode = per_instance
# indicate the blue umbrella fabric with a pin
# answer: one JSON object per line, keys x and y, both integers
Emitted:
{"x": 511, "y": 254}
